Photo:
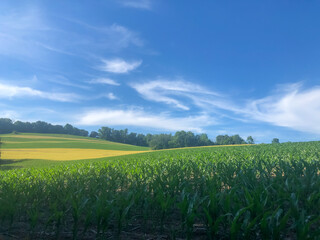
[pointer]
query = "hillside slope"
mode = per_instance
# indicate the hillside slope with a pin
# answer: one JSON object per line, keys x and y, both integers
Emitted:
{"x": 30, "y": 149}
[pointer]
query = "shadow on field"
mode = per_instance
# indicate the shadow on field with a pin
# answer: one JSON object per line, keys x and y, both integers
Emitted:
{"x": 5, "y": 162}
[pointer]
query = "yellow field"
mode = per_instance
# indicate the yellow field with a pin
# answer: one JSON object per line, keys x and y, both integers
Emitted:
{"x": 61, "y": 154}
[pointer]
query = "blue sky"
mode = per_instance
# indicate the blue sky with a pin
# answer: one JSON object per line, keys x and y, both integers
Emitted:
{"x": 220, "y": 67}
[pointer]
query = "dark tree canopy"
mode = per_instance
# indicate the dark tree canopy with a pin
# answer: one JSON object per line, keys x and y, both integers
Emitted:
{"x": 155, "y": 141}
{"x": 275, "y": 140}
{"x": 250, "y": 140}
{"x": 94, "y": 134}
{"x": 8, "y": 126}
{"x": 229, "y": 140}
{"x": 0, "y": 148}
{"x": 122, "y": 136}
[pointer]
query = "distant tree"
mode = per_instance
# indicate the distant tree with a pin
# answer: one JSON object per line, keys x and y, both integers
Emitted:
{"x": 224, "y": 140}
{"x": 148, "y": 138}
{"x": 0, "y": 149}
{"x": 178, "y": 140}
{"x": 236, "y": 139}
{"x": 83, "y": 133}
{"x": 142, "y": 140}
{"x": 160, "y": 141}
{"x": 132, "y": 138}
{"x": 275, "y": 140}
{"x": 6, "y": 125}
{"x": 94, "y": 134}
{"x": 250, "y": 140}
{"x": 228, "y": 140}
{"x": 105, "y": 133}
{"x": 203, "y": 140}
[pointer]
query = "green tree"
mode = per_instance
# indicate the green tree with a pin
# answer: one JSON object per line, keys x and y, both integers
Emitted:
{"x": 236, "y": 139}
{"x": 0, "y": 149}
{"x": 160, "y": 141}
{"x": 94, "y": 134}
{"x": 105, "y": 133}
{"x": 6, "y": 125}
{"x": 223, "y": 140}
{"x": 203, "y": 140}
{"x": 275, "y": 140}
{"x": 250, "y": 140}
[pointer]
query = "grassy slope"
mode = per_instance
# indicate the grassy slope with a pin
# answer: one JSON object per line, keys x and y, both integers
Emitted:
{"x": 34, "y": 140}
{"x": 28, "y": 140}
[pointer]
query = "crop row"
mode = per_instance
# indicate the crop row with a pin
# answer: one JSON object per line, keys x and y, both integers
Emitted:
{"x": 247, "y": 192}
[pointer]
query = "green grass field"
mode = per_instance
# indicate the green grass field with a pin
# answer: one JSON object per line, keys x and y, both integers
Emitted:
{"x": 37, "y": 150}
{"x": 36, "y": 140}
{"x": 268, "y": 191}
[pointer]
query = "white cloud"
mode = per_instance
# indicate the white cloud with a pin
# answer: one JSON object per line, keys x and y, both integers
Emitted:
{"x": 10, "y": 91}
{"x": 293, "y": 108}
{"x": 113, "y": 37}
{"x": 61, "y": 80}
{"x": 111, "y": 96}
{"x": 124, "y": 36}
{"x": 118, "y": 65}
{"x": 139, "y": 118}
{"x": 16, "y": 32}
{"x": 107, "y": 81}
{"x": 28, "y": 32}
{"x": 169, "y": 92}
{"x": 141, "y": 4}
{"x": 9, "y": 114}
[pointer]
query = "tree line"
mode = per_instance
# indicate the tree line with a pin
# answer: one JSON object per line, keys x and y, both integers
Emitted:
{"x": 154, "y": 141}
{"x": 165, "y": 141}
{"x": 8, "y": 126}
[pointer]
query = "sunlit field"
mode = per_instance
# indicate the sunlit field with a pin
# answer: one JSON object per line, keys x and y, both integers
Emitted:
{"x": 60, "y": 154}
{"x": 37, "y": 150}
{"x": 241, "y": 192}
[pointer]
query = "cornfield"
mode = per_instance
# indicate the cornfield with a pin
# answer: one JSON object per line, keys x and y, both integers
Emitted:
{"x": 245, "y": 192}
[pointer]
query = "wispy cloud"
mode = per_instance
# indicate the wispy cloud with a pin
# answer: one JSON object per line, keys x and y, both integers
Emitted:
{"x": 11, "y": 91}
{"x": 111, "y": 96}
{"x": 107, "y": 81}
{"x": 140, "y": 4}
{"x": 171, "y": 91}
{"x": 112, "y": 37}
{"x": 124, "y": 35}
{"x": 118, "y": 65}
{"x": 139, "y": 118}
{"x": 61, "y": 80}
{"x": 30, "y": 33}
{"x": 19, "y": 31}
{"x": 9, "y": 114}
{"x": 292, "y": 107}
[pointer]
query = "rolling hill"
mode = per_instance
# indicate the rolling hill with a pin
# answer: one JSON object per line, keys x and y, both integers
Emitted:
{"x": 31, "y": 149}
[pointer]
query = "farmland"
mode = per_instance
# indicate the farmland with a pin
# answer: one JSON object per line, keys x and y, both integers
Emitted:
{"x": 240, "y": 192}
{"x": 38, "y": 150}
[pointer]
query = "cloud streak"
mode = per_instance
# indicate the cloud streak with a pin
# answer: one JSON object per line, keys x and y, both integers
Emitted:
{"x": 140, "y": 4}
{"x": 111, "y": 96}
{"x": 119, "y": 65}
{"x": 175, "y": 92}
{"x": 139, "y": 118}
{"x": 293, "y": 108}
{"x": 10, "y": 91}
{"x": 29, "y": 33}
{"x": 107, "y": 81}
